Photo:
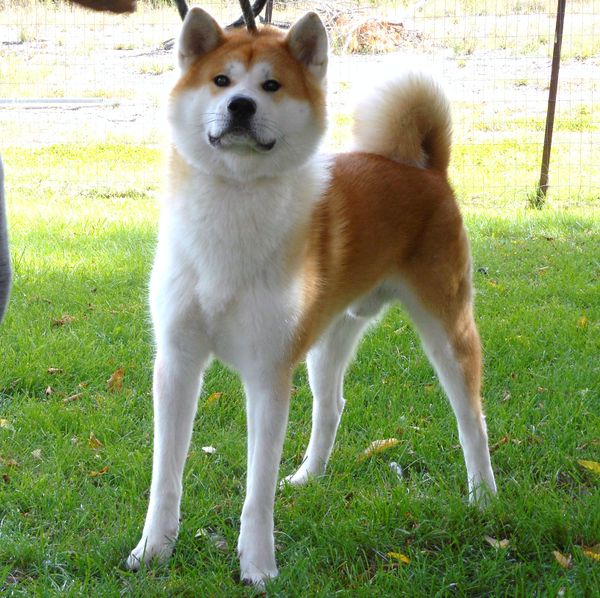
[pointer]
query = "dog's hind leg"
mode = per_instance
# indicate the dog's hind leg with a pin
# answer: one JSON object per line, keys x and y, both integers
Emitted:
{"x": 181, "y": 355}
{"x": 326, "y": 363}
{"x": 450, "y": 339}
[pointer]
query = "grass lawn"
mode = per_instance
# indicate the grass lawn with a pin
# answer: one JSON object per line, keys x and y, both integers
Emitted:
{"x": 75, "y": 450}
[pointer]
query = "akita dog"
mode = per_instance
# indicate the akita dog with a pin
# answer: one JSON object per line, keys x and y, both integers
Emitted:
{"x": 268, "y": 252}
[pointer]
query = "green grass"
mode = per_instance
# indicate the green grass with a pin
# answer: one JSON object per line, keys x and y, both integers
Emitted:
{"x": 84, "y": 251}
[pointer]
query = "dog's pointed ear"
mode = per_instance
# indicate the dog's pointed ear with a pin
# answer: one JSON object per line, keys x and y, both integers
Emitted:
{"x": 200, "y": 34}
{"x": 307, "y": 41}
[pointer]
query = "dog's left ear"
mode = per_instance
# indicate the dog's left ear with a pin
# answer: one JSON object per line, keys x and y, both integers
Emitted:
{"x": 307, "y": 41}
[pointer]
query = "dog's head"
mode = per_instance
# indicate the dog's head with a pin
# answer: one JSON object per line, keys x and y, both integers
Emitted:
{"x": 248, "y": 105}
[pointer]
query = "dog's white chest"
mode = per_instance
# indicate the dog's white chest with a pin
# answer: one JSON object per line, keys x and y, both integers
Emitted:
{"x": 230, "y": 237}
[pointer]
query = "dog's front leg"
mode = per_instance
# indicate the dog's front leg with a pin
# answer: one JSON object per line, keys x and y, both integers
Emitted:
{"x": 177, "y": 378}
{"x": 267, "y": 404}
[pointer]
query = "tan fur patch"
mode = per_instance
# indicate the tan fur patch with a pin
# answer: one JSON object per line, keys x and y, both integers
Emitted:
{"x": 383, "y": 220}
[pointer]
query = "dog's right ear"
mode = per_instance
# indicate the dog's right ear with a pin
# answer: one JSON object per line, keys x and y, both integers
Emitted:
{"x": 200, "y": 34}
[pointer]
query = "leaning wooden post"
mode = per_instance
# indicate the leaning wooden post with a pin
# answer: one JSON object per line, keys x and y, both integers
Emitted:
{"x": 543, "y": 186}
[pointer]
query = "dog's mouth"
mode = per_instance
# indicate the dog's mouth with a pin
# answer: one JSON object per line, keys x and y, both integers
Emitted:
{"x": 239, "y": 139}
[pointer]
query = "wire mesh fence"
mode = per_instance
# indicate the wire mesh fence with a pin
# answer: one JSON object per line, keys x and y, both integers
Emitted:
{"x": 72, "y": 77}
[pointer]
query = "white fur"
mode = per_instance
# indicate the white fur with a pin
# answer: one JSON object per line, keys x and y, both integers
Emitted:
{"x": 393, "y": 120}
{"x": 221, "y": 286}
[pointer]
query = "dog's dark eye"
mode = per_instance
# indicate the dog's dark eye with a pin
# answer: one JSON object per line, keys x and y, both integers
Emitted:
{"x": 271, "y": 85}
{"x": 222, "y": 81}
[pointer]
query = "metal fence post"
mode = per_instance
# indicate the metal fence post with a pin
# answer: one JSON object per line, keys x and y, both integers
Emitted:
{"x": 269, "y": 12}
{"x": 543, "y": 185}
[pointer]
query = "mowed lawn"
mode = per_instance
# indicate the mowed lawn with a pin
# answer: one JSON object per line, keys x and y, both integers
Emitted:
{"x": 76, "y": 416}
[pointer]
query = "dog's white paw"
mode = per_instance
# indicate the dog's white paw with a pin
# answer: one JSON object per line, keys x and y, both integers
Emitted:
{"x": 299, "y": 478}
{"x": 303, "y": 475}
{"x": 150, "y": 549}
{"x": 257, "y": 559}
{"x": 257, "y": 576}
{"x": 482, "y": 492}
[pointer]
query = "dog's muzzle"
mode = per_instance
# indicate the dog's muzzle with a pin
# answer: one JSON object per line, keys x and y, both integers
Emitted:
{"x": 240, "y": 130}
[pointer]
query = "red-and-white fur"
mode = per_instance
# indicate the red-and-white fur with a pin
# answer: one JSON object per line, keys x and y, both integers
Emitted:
{"x": 268, "y": 252}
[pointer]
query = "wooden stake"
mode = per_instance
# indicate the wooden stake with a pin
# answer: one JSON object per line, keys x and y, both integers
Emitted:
{"x": 543, "y": 186}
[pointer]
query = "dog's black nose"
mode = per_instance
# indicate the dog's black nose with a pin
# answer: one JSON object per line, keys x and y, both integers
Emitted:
{"x": 242, "y": 107}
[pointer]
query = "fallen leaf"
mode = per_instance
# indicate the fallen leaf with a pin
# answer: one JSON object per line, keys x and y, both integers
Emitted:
{"x": 93, "y": 442}
{"x": 5, "y": 478}
{"x": 4, "y": 423}
{"x": 209, "y": 450}
{"x": 398, "y": 556}
{"x": 564, "y": 560}
{"x": 593, "y": 552}
{"x": 593, "y": 466}
{"x": 36, "y": 454}
{"x": 64, "y": 320}
{"x": 49, "y": 390}
{"x": 497, "y": 445}
{"x": 115, "y": 382}
{"x": 72, "y": 398}
{"x": 215, "y": 396}
{"x": 95, "y": 474}
{"x": 218, "y": 541}
{"x": 378, "y": 446}
{"x": 9, "y": 462}
{"x": 583, "y": 322}
{"x": 497, "y": 543}
{"x": 53, "y": 371}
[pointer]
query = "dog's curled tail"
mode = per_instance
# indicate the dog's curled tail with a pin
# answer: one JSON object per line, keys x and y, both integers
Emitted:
{"x": 406, "y": 120}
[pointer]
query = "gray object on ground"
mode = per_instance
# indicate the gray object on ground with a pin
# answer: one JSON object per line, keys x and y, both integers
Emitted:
{"x": 5, "y": 272}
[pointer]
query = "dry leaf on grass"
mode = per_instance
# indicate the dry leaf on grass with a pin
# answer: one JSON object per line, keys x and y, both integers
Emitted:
{"x": 593, "y": 552}
{"x": 72, "y": 398}
{"x": 215, "y": 396}
{"x": 93, "y": 442}
{"x": 564, "y": 560}
{"x": 497, "y": 445}
{"x": 209, "y": 450}
{"x": 218, "y": 541}
{"x": 497, "y": 543}
{"x": 96, "y": 474}
{"x": 4, "y": 423}
{"x": 583, "y": 322}
{"x": 115, "y": 382}
{"x": 378, "y": 446}
{"x": 54, "y": 371}
{"x": 64, "y": 320}
{"x": 398, "y": 556}
{"x": 9, "y": 462}
{"x": 37, "y": 453}
{"x": 592, "y": 466}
